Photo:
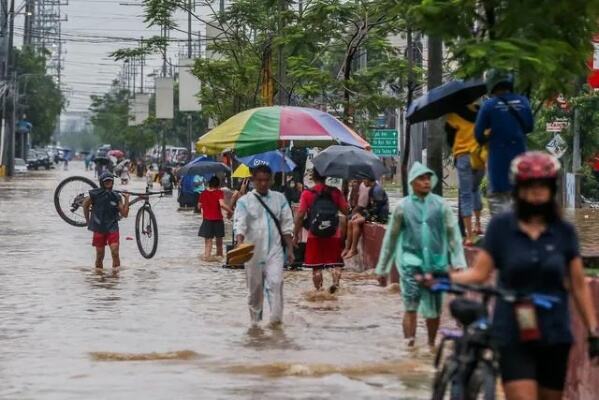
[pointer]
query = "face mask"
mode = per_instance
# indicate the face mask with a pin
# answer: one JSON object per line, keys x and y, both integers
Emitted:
{"x": 526, "y": 210}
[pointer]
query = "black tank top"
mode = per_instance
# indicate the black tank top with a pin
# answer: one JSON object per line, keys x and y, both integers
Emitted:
{"x": 105, "y": 211}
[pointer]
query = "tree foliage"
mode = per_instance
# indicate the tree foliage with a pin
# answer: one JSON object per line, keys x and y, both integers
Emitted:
{"x": 325, "y": 47}
{"x": 547, "y": 42}
{"x": 110, "y": 121}
{"x": 586, "y": 104}
{"x": 40, "y": 98}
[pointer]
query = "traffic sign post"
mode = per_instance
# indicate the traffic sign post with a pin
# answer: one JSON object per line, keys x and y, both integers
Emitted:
{"x": 384, "y": 142}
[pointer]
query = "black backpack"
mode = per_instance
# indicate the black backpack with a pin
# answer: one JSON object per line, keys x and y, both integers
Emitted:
{"x": 323, "y": 219}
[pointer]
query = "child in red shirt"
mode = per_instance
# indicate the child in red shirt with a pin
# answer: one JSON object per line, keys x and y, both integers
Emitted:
{"x": 213, "y": 226}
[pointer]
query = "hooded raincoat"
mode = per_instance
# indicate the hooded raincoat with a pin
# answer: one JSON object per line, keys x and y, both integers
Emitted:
{"x": 264, "y": 272}
{"x": 423, "y": 234}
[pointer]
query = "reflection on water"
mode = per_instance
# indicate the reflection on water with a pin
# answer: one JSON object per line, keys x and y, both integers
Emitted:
{"x": 168, "y": 356}
{"x": 174, "y": 327}
{"x": 398, "y": 368}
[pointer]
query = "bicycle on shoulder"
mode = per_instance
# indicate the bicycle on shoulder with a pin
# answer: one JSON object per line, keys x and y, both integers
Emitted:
{"x": 71, "y": 194}
{"x": 471, "y": 369}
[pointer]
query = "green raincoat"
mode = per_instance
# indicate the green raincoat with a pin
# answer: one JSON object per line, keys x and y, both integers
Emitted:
{"x": 424, "y": 234}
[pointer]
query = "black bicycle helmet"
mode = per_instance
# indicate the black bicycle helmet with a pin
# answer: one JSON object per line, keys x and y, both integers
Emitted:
{"x": 105, "y": 176}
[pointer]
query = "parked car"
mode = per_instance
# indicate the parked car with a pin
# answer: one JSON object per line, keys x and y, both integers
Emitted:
{"x": 44, "y": 160}
{"x": 33, "y": 161}
{"x": 20, "y": 166}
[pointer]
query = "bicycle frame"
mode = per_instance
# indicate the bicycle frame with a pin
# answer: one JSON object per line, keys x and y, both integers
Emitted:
{"x": 473, "y": 345}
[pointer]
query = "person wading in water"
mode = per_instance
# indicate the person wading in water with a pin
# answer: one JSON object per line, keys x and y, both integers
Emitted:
{"x": 103, "y": 209}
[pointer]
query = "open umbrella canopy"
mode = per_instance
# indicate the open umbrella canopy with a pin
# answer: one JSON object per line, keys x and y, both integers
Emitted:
{"x": 269, "y": 128}
{"x": 243, "y": 171}
{"x": 202, "y": 168}
{"x": 116, "y": 153}
{"x": 347, "y": 162}
{"x": 445, "y": 99}
{"x": 275, "y": 159}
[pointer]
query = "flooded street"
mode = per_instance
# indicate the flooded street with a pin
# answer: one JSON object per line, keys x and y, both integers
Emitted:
{"x": 172, "y": 327}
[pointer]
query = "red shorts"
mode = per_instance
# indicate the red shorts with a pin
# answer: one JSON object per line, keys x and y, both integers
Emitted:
{"x": 323, "y": 252}
{"x": 103, "y": 239}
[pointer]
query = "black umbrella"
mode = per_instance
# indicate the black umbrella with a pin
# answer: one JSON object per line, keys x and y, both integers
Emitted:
{"x": 348, "y": 162}
{"x": 445, "y": 99}
{"x": 202, "y": 168}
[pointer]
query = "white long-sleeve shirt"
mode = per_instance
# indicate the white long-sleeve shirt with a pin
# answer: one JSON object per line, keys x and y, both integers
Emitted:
{"x": 258, "y": 228}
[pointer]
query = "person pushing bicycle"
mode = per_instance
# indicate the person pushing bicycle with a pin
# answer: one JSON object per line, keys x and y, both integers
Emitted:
{"x": 102, "y": 210}
{"x": 533, "y": 250}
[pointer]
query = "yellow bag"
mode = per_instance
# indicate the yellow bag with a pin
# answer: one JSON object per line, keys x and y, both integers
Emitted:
{"x": 480, "y": 154}
{"x": 479, "y": 157}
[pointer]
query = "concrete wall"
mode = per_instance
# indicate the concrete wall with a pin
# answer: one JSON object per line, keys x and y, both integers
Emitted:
{"x": 583, "y": 379}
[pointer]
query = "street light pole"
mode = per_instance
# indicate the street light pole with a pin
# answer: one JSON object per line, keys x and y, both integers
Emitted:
{"x": 189, "y": 42}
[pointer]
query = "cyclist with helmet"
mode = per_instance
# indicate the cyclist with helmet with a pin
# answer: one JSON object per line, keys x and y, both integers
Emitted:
{"x": 103, "y": 209}
{"x": 503, "y": 122}
{"x": 533, "y": 250}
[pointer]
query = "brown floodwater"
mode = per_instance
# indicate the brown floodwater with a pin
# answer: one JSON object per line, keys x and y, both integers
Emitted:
{"x": 173, "y": 327}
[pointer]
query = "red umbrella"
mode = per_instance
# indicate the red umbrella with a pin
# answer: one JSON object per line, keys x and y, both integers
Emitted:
{"x": 116, "y": 153}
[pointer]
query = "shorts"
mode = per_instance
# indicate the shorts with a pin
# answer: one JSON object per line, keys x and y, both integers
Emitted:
{"x": 546, "y": 364}
{"x": 212, "y": 229}
{"x": 418, "y": 299}
{"x": 324, "y": 252}
{"x": 102, "y": 239}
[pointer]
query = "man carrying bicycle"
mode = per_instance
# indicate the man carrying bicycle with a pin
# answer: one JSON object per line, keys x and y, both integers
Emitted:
{"x": 103, "y": 209}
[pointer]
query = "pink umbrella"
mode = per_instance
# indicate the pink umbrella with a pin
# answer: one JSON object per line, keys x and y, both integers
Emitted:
{"x": 116, "y": 153}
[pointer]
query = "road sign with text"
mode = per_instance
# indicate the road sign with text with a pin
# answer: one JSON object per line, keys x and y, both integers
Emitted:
{"x": 384, "y": 142}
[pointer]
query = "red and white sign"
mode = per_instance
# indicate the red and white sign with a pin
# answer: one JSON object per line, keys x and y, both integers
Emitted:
{"x": 557, "y": 126}
{"x": 593, "y": 78}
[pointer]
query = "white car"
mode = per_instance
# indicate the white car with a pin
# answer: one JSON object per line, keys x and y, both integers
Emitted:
{"x": 20, "y": 166}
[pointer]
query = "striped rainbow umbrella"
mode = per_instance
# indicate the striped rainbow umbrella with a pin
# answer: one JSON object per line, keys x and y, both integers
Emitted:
{"x": 269, "y": 128}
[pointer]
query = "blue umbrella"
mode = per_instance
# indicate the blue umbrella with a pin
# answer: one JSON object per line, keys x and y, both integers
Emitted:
{"x": 445, "y": 99}
{"x": 275, "y": 159}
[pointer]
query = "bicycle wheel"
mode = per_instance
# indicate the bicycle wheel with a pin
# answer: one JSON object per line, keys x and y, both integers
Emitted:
{"x": 482, "y": 383}
{"x": 442, "y": 384}
{"x": 69, "y": 197}
{"x": 146, "y": 232}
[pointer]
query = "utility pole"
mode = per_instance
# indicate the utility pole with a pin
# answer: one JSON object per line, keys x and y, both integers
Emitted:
{"x": 189, "y": 56}
{"x": 189, "y": 41}
{"x": 29, "y": 18}
{"x": 406, "y": 140}
{"x": 417, "y": 131}
{"x": 142, "y": 62}
{"x": 434, "y": 138}
{"x": 282, "y": 61}
{"x": 133, "y": 61}
{"x": 576, "y": 160}
{"x": 9, "y": 102}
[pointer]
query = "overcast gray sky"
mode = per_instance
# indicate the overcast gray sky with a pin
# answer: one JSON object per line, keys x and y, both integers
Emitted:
{"x": 94, "y": 29}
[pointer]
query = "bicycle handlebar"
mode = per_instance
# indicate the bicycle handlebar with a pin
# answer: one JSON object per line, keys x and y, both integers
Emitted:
{"x": 145, "y": 193}
{"x": 541, "y": 300}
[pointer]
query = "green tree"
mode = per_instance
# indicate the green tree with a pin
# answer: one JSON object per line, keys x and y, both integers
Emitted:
{"x": 347, "y": 62}
{"x": 325, "y": 44}
{"x": 40, "y": 98}
{"x": 587, "y": 104}
{"x": 547, "y": 42}
{"x": 110, "y": 120}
